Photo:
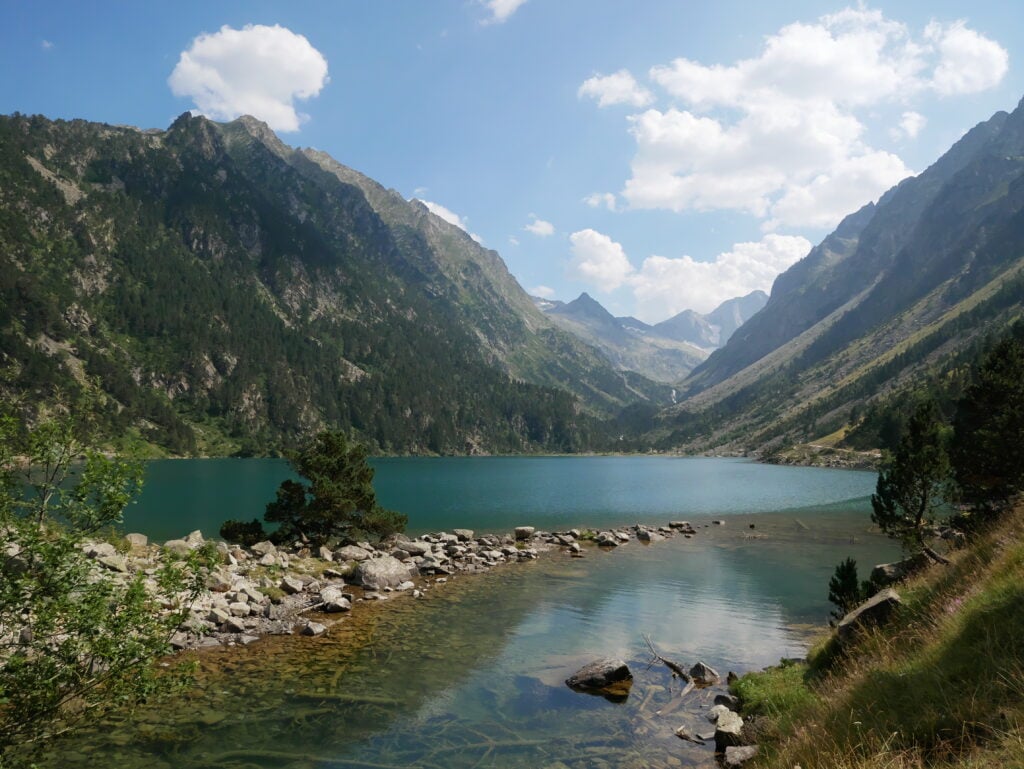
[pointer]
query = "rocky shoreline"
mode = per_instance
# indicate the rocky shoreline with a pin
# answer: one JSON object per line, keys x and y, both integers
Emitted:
{"x": 267, "y": 589}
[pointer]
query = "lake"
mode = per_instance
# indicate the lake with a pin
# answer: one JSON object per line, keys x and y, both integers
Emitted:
{"x": 472, "y": 674}
{"x": 498, "y": 493}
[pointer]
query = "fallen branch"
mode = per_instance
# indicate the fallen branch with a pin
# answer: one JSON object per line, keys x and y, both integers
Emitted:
{"x": 675, "y": 667}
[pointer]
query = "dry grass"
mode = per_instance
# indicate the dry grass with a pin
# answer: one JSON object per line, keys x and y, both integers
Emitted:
{"x": 942, "y": 687}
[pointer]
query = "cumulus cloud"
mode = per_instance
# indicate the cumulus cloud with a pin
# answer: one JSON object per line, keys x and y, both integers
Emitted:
{"x": 257, "y": 70}
{"x": 46, "y": 45}
{"x": 540, "y": 228}
{"x": 452, "y": 218}
{"x": 544, "y": 292}
{"x": 618, "y": 88}
{"x": 969, "y": 62}
{"x": 780, "y": 136}
{"x": 500, "y": 10}
{"x": 601, "y": 200}
{"x": 910, "y": 125}
{"x": 598, "y": 261}
{"x": 664, "y": 286}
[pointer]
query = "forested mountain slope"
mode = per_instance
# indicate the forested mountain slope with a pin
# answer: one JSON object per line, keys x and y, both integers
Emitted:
{"x": 895, "y": 294}
{"x": 217, "y": 291}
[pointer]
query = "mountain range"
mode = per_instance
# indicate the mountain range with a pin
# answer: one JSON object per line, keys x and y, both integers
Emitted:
{"x": 208, "y": 289}
{"x": 666, "y": 351}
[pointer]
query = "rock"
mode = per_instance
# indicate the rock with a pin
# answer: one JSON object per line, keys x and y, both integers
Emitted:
{"x": 269, "y": 559}
{"x": 413, "y": 547}
{"x": 217, "y": 616}
{"x": 602, "y": 675}
{"x": 334, "y": 600}
{"x": 737, "y": 756}
{"x": 136, "y": 540}
{"x": 875, "y": 611}
{"x": 255, "y": 596}
{"x": 246, "y": 639}
{"x": 622, "y": 536}
{"x": 264, "y": 547}
{"x": 730, "y": 701}
{"x": 524, "y": 532}
{"x": 704, "y": 675}
{"x": 195, "y": 539}
{"x": 351, "y": 553}
{"x": 407, "y": 585}
{"x": 239, "y": 609}
{"x": 114, "y": 563}
{"x": 648, "y": 536}
{"x": 719, "y": 523}
{"x": 325, "y": 553}
{"x": 314, "y": 629}
{"x": 887, "y": 573}
{"x": 716, "y": 711}
{"x": 728, "y": 731}
{"x": 100, "y": 550}
{"x": 385, "y": 571}
{"x": 464, "y": 535}
{"x": 179, "y": 640}
{"x": 177, "y": 547}
{"x": 291, "y": 585}
{"x": 731, "y": 678}
{"x": 234, "y": 625}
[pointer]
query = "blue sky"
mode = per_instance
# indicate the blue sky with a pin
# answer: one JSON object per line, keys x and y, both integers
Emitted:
{"x": 660, "y": 154}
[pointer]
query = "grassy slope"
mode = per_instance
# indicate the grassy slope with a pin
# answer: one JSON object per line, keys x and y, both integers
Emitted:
{"x": 942, "y": 687}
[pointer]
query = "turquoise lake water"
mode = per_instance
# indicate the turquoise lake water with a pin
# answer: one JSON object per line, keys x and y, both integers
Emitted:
{"x": 497, "y": 493}
{"x": 472, "y": 674}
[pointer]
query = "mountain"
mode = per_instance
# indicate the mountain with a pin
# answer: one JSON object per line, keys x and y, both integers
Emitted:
{"x": 899, "y": 291}
{"x": 665, "y": 352}
{"x": 209, "y": 289}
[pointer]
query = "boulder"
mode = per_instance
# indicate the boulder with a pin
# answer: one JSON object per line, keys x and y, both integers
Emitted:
{"x": 728, "y": 731}
{"x": 739, "y": 755}
{"x": 649, "y": 536}
{"x": 378, "y": 573}
{"x": 351, "y": 553}
{"x": 609, "y": 677}
{"x": 314, "y": 629}
{"x": 414, "y": 547}
{"x": 875, "y": 611}
{"x": 234, "y": 625}
{"x": 730, "y": 701}
{"x": 195, "y": 539}
{"x": 291, "y": 585}
{"x": 137, "y": 540}
{"x": 264, "y": 547}
{"x": 704, "y": 675}
{"x": 325, "y": 553}
{"x": 464, "y": 535}
{"x": 100, "y": 550}
{"x": 887, "y": 573}
{"x": 524, "y": 532}
{"x": 114, "y": 563}
{"x": 334, "y": 600}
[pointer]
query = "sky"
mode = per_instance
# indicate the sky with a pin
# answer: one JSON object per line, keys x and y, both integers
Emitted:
{"x": 661, "y": 155}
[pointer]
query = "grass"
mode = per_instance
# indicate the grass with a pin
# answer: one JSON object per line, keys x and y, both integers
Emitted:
{"x": 943, "y": 686}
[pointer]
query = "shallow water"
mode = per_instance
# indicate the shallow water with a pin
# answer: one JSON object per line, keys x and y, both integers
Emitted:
{"x": 471, "y": 675}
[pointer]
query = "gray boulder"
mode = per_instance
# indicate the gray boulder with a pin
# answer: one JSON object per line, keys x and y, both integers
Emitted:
{"x": 114, "y": 563}
{"x": 737, "y": 756}
{"x": 704, "y": 675}
{"x": 291, "y": 585}
{"x": 649, "y": 536}
{"x": 887, "y": 573}
{"x": 728, "y": 731}
{"x": 334, "y": 600}
{"x": 524, "y": 532}
{"x": 414, "y": 547}
{"x": 464, "y": 535}
{"x": 351, "y": 553}
{"x": 314, "y": 629}
{"x": 378, "y": 573}
{"x": 137, "y": 540}
{"x": 264, "y": 548}
{"x": 874, "y": 612}
{"x": 177, "y": 547}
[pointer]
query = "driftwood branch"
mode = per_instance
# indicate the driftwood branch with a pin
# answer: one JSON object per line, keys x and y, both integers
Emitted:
{"x": 675, "y": 667}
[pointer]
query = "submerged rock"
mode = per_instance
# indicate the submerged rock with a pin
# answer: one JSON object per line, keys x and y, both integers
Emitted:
{"x": 704, "y": 675}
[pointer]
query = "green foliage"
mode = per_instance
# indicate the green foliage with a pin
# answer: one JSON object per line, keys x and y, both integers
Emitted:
{"x": 337, "y": 500}
{"x": 910, "y": 487}
{"x": 76, "y": 641}
{"x": 243, "y": 533}
{"x": 845, "y": 590}
{"x": 987, "y": 451}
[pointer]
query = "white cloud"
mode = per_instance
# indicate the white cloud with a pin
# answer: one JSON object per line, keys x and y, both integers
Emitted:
{"x": 970, "y": 62}
{"x": 501, "y": 10}
{"x": 544, "y": 292}
{"x": 598, "y": 260}
{"x": 780, "y": 136}
{"x": 452, "y": 218}
{"x": 664, "y": 286}
{"x": 910, "y": 125}
{"x": 257, "y": 70}
{"x": 513, "y": 241}
{"x": 46, "y": 45}
{"x": 601, "y": 199}
{"x": 540, "y": 228}
{"x": 618, "y": 88}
